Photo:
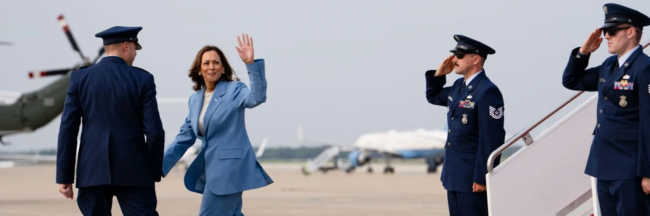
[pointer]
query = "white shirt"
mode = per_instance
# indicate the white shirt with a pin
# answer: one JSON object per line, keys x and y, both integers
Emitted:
{"x": 624, "y": 57}
{"x": 472, "y": 77}
{"x": 206, "y": 101}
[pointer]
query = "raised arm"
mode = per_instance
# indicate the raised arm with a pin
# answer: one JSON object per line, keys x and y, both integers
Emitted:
{"x": 249, "y": 98}
{"x": 576, "y": 76}
{"x": 257, "y": 94}
{"x": 436, "y": 93}
{"x": 436, "y": 79}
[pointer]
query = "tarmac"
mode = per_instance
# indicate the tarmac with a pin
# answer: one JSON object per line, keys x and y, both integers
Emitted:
{"x": 32, "y": 191}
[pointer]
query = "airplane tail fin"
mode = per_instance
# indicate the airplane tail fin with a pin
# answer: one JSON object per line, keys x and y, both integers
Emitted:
{"x": 300, "y": 136}
{"x": 302, "y": 141}
{"x": 260, "y": 150}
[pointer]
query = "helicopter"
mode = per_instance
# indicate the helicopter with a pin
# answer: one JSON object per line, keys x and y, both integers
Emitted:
{"x": 27, "y": 112}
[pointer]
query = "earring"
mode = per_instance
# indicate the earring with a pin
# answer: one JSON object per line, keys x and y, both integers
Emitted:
{"x": 200, "y": 74}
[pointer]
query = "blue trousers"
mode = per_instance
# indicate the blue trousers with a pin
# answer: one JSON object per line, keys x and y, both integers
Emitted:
{"x": 467, "y": 204}
{"x": 221, "y": 205}
{"x": 622, "y": 198}
{"x": 98, "y": 200}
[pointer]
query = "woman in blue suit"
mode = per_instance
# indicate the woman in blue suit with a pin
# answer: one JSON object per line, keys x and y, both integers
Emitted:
{"x": 226, "y": 165}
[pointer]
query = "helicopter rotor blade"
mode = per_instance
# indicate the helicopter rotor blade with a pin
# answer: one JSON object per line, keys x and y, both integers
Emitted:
{"x": 68, "y": 33}
{"x": 37, "y": 74}
{"x": 101, "y": 52}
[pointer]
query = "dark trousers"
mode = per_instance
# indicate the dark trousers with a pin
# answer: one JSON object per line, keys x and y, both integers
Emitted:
{"x": 467, "y": 204}
{"x": 98, "y": 200}
{"x": 622, "y": 198}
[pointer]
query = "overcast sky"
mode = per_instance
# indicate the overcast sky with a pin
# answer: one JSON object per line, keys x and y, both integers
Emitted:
{"x": 338, "y": 68}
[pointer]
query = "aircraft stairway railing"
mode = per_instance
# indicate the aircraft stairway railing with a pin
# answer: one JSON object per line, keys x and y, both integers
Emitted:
{"x": 546, "y": 176}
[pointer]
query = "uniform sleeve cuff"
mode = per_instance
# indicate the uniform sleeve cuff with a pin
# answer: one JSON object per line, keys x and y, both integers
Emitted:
{"x": 579, "y": 55}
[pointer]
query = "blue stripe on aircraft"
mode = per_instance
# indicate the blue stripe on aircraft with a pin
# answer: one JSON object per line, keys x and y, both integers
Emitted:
{"x": 411, "y": 154}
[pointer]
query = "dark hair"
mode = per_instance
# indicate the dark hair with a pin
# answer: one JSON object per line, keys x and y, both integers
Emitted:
{"x": 199, "y": 83}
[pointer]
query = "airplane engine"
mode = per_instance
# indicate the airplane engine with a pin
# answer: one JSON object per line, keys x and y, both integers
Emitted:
{"x": 358, "y": 158}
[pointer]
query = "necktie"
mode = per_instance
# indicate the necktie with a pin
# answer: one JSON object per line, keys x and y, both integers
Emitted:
{"x": 462, "y": 87}
{"x": 615, "y": 68}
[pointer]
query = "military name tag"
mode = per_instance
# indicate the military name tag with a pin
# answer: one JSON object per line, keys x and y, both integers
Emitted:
{"x": 623, "y": 85}
{"x": 466, "y": 104}
{"x": 601, "y": 80}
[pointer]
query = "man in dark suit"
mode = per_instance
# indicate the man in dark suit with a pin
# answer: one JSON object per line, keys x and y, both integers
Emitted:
{"x": 475, "y": 119}
{"x": 122, "y": 141}
{"x": 620, "y": 153}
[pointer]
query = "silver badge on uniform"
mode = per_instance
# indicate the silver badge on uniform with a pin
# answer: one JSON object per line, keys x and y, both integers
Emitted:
{"x": 601, "y": 80}
{"x": 626, "y": 77}
{"x": 623, "y": 101}
{"x": 469, "y": 96}
{"x": 464, "y": 120}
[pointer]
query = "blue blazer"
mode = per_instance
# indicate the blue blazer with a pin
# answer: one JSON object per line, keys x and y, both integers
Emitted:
{"x": 621, "y": 146}
{"x": 117, "y": 105}
{"x": 475, "y": 120}
{"x": 226, "y": 163}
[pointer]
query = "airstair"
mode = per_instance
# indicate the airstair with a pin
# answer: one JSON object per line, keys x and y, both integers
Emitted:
{"x": 546, "y": 176}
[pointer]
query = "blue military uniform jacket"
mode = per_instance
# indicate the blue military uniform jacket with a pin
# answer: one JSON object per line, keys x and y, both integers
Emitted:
{"x": 620, "y": 148}
{"x": 116, "y": 104}
{"x": 475, "y": 120}
{"x": 226, "y": 163}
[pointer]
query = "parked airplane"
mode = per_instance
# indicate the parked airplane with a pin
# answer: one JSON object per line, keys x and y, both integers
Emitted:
{"x": 418, "y": 144}
{"x": 427, "y": 144}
